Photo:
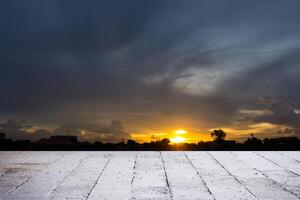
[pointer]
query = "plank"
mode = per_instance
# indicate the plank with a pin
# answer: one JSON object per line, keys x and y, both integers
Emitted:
{"x": 221, "y": 184}
{"x": 149, "y": 181}
{"x": 292, "y": 154}
{"x": 260, "y": 186}
{"x": 42, "y": 183}
{"x": 278, "y": 159}
{"x": 288, "y": 181}
{"x": 115, "y": 181}
{"x": 15, "y": 175}
{"x": 82, "y": 179}
{"x": 13, "y": 160}
{"x": 42, "y": 157}
{"x": 28, "y": 157}
{"x": 149, "y": 175}
{"x": 14, "y": 157}
{"x": 183, "y": 180}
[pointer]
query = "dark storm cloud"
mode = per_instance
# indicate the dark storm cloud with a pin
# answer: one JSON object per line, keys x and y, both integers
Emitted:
{"x": 282, "y": 112}
{"x": 115, "y": 127}
{"x": 114, "y": 132}
{"x": 20, "y": 130}
{"x": 65, "y": 61}
{"x": 278, "y": 77}
{"x": 56, "y": 50}
{"x": 276, "y": 111}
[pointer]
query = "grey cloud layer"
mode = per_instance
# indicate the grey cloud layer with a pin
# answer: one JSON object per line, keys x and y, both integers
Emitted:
{"x": 114, "y": 132}
{"x": 64, "y": 61}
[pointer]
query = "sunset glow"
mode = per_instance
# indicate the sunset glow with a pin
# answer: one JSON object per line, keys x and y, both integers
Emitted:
{"x": 149, "y": 71}
{"x": 177, "y": 139}
{"x": 180, "y": 132}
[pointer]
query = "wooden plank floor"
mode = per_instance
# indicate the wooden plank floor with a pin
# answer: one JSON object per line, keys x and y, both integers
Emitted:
{"x": 150, "y": 175}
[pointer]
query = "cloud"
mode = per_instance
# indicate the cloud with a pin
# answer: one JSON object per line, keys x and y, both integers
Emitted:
{"x": 21, "y": 130}
{"x": 255, "y": 112}
{"x": 114, "y": 132}
{"x": 286, "y": 131}
{"x": 279, "y": 112}
{"x": 197, "y": 61}
{"x": 282, "y": 112}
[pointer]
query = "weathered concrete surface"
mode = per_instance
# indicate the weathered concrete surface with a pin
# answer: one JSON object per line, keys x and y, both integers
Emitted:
{"x": 149, "y": 175}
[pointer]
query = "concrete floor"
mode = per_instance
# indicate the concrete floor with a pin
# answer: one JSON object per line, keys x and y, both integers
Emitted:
{"x": 149, "y": 175}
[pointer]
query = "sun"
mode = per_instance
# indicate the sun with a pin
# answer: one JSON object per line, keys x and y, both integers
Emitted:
{"x": 180, "y": 132}
{"x": 177, "y": 139}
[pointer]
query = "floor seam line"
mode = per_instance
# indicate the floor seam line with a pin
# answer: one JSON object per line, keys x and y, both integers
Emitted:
{"x": 272, "y": 180}
{"x": 99, "y": 176}
{"x": 66, "y": 176}
{"x": 277, "y": 164}
{"x": 133, "y": 176}
{"x": 198, "y": 173}
{"x": 237, "y": 180}
{"x": 166, "y": 177}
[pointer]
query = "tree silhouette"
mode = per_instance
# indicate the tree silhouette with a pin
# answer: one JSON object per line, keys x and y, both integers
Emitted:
{"x": 70, "y": 143}
{"x": 253, "y": 142}
{"x": 218, "y": 135}
{"x": 165, "y": 141}
{"x": 131, "y": 142}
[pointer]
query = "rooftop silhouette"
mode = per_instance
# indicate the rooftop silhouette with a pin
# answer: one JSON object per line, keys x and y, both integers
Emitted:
{"x": 67, "y": 142}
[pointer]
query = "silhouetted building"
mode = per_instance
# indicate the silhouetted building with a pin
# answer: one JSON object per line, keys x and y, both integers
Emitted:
{"x": 2, "y": 136}
{"x": 253, "y": 143}
{"x": 58, "y": 140}
{"x": 67, "y": 142}
{"x": 64, "y": 139}
{"x": 6, "y": 144}
{"x": 230, "y": 142}
{"x": 283, "y": 143}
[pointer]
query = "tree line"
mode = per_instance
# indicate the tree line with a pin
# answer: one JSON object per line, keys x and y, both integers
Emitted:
{"x": 219, "y": 143}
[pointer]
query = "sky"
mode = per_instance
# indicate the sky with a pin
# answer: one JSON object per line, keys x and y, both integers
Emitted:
{"x": 107, "y": 70}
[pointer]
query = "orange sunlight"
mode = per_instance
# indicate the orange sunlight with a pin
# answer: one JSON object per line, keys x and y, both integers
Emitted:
{"x": 180, "y": 132}
{"x": 177, "y": 139}
{"x": 176, "y": 136}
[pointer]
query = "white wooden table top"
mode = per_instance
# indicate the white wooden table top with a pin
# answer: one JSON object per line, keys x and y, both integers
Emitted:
{"x": 150, "y": 175}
